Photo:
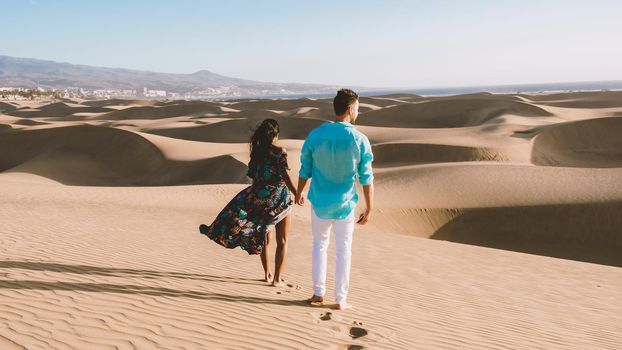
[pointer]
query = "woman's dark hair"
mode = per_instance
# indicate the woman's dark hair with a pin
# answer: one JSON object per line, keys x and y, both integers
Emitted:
{"x": 261, "y": 141}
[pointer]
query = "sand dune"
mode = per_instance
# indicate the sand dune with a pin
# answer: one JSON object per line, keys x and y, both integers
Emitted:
{"x": 114, "y": 260}
{"x": 120, "y": 102}
{"x": 479, "y": 95}
{"x": 5, "y": 127}
{"x": 188, "y": 103}
{"x": 399, "y": 96}
{"x": 586, "y": 232}
{"x": 56, "y": 110}
{"x": 249, "y": 114}
{"x": 5, "y": 107}
{"x": 99, "y": 156}
{"x": 396, "y": 154}
{"x": 29, "y": 122}
{"x": 322, "y": 113}
{"x": 538, "y": 210}
{"x": 595, "y": 99}
{"x": 279, "y": 105}
{"x": 385, "y": 102}
{"x": 238, "y": 130}
{"x": 587, "y": 143}
{"x": 151, "y": 112}
{"x": 583, "y": 231}
{"x": 124, "y": 268}
{"x": 447, "y": 113}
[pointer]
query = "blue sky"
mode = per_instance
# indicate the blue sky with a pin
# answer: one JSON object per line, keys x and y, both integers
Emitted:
{"x": 383, "y": 43}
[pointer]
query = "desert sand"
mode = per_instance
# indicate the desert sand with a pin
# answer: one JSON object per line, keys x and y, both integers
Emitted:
{"x": 496, "y": 226}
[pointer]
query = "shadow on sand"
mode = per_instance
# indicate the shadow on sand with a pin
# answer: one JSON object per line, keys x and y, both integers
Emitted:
{"x": 588, "y": 232}
{"x": 130, "y": 289}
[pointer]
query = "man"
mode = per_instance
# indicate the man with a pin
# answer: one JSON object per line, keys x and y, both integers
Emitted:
{"x": 334, "y": 155}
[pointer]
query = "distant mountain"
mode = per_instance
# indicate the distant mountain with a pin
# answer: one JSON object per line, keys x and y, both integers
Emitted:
{"x": 31, "y": 73}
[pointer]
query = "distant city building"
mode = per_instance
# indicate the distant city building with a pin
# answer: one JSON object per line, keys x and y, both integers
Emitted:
{"x": 154, "y": 93}
{"x": 76, "y": 92}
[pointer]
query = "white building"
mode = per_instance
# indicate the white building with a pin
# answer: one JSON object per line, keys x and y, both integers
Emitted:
{"x": 154, "y": 93}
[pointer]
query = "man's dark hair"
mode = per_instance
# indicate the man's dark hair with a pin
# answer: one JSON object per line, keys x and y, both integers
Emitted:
{"x": 344, "y": 99}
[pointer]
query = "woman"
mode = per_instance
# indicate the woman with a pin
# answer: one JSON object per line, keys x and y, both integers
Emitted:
{"x": 245, "y": 221}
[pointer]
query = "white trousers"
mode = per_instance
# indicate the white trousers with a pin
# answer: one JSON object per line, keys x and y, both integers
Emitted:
{"x": 343, "y": 254}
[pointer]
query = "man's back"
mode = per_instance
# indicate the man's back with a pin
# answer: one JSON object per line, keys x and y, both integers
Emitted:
{"x": 334, "y": 156}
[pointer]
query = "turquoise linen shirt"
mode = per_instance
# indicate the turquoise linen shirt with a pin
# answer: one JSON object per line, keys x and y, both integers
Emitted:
{"x": 333, "y": 156}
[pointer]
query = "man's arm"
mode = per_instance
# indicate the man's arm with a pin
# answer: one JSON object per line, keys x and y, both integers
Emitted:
{"x": 302, "y": 183}
{"x": 306, "y": 164}
{"x": 366, "y": 178}
{"x": 368, "y": 192}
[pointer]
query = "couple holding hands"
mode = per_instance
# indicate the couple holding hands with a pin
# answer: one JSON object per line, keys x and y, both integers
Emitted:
{"x": 334, "y": 157}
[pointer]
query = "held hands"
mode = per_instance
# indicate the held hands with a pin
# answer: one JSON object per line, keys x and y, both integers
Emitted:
{"x": 300, "y": 198}
{"x": 300, "y": 195}
{"x": 364, "y": 217}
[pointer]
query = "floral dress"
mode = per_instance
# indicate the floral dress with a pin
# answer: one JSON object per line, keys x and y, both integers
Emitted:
{"x": 244, "y": 222}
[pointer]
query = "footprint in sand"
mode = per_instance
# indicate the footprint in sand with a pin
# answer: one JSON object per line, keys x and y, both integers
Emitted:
{"x": 329, "y": 316}
{"x": 287, "y": 285}
{"x": 294, "y": 286}
{"x": 282, "y": 291}
{"x": 355, "y": 347}
{"x": 357, "y": 332}
{"x": 287, "y": 288}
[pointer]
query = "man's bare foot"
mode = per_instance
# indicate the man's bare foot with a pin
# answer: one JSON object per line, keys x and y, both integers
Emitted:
{"x": 315, "y": 300}
{"x": 268, "y": 277}
{"x": 344, "y": 306}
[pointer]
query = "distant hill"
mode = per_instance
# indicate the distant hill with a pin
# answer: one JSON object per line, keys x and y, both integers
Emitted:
{"x": 30, "y": 73}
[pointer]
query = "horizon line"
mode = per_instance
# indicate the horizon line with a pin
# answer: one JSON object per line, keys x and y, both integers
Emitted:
{"x": 361, "y": 88}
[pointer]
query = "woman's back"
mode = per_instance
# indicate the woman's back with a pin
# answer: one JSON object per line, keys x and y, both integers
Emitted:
{"x": 270, "y": 168}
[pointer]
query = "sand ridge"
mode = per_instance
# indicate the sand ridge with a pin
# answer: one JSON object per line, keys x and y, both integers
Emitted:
{"x": 410, "y": 134}
{"x": 448, "y": 113}
{"x": 106, "y": 267}
{"x": 101, "y": 200}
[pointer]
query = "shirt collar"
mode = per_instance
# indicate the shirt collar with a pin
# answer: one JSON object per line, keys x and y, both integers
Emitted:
{"x": 346, "y": 124}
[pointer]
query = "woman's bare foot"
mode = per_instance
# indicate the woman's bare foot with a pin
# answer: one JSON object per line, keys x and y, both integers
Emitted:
{"x": 278, "y": 282}
{"x": 268, "y": 277}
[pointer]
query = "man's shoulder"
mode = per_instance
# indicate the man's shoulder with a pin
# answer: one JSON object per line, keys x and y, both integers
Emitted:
{"x": 359, "y": 135}
{"x": 327, "y": 130}
{"x": 318, "y": 130}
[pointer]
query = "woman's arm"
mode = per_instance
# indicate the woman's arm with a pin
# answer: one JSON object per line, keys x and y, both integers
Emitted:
{"x": 284, "y": 169}
{"x": 289, "y": 183}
